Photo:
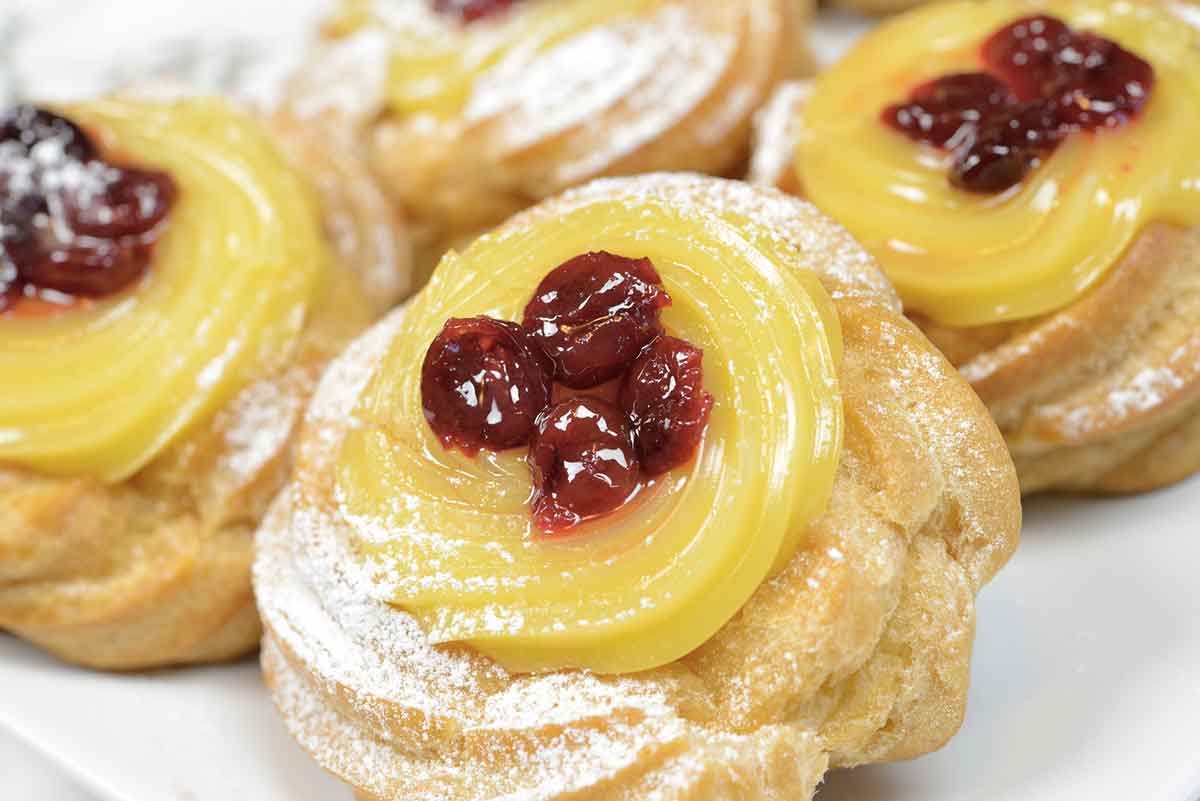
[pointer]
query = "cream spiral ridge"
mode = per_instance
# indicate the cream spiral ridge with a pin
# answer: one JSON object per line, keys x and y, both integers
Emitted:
{"x": 451, "y": 535}
{"x": 106, "y": 389}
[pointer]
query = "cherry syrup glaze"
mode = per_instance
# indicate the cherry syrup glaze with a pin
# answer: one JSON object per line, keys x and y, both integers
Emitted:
{"x": 583, "y": 461}
{"x": 1046, "y": 82}
{"x": 71, "y": 223}
{"x": 594, "y": 314}
{"x": 663, "y": 394}
{"x": 472, "y": 10}
{"x": 483, "y": 384}
{"x": 594, "y": 320}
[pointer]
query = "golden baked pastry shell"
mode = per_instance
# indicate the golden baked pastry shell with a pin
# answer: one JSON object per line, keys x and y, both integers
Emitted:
{"x": 857, "y": 652}
{"x": 691, "y": 76}
{"x": 1101, "y": 396}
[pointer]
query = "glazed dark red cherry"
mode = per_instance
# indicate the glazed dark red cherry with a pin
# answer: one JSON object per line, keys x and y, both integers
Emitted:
{"x": 1102, "y": 86}
{"x": 10, "y": 287}
{"x": 97, "y": 268}
{"x": 471, "y": 10}
{"x": 1001, "y": 150}
{"x": 663, "y": 394}
{"x": 583, "y": 463}
{"x": 593, "y": 315}
{"x": 942, "y": 112}
{"x": 28, "y": 126}
{"x": 483, "y": 385}
{"x": 491, "y": 384}
{"x": 1091, "y": 82}
{"x": 131, "y": 202}
{"x": 18, "y": 242}
{"x": 1046, "y": 82}
{"x": 70, "y": 222}
{"x": 1026, "y": 53}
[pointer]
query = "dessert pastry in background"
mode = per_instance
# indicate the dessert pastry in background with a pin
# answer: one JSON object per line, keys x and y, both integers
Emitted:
{"x": 470, "y": 111}
{"x": 651, "y": 491}
{"x": 171, "y": 288}
{"x": 369, "y": 232}
{"x": 1031, "y": 184}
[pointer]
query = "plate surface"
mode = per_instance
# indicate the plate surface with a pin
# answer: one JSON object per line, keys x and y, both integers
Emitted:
{"x": 190, "y": 735}
{"x": 1086, "y": 686}
{"x": 1086, "y": 680}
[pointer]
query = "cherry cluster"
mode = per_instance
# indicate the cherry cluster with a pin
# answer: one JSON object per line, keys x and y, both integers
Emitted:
{"x": 1045, "y": 81}
{"x": 589, "y": 381}
{"x": 70, "y": 222}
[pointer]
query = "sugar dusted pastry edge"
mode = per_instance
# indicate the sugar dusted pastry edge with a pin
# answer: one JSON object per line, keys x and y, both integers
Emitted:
{"x": 456, "y": 178}
{"x": 1102, "y": 396}
{"x": 369, "y": 233}
{"x": 858, "y": 652}
{"x": 155, "y": 570}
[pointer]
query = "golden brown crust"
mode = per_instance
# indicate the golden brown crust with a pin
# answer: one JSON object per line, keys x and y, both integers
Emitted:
{"x": 156, "y": 570}
{"x": 1102, "y": 396}
{"x": 696, "y": 70}
{"x": 857, "y": 652}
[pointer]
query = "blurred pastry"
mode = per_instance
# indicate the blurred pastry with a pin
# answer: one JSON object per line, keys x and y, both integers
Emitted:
{"x": 1030, "y": 182}
{"x": 171, "y": 287}
{"x": 471, "y": 111}
{"x": 651, "y": 492}
{"x": 877, "y": 6}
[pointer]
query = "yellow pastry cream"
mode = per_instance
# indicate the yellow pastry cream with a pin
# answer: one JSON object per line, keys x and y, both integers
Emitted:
{"x": 970, "y": 258}
{"x": 452, "y": 534}
{"x": 434, "y": 72}
{"x": 106, "y": 385}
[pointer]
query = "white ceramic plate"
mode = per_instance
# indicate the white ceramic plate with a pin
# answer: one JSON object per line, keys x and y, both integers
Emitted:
{"x": 193, "y": 735}
{"x": 1087, "y": 668}
{"x": 1086, "y": 686}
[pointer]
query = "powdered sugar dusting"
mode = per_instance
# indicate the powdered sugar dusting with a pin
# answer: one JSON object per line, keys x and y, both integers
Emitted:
{"x": 670, "y": 86}
{"x": 1147, "y": 389}
{"x": 346, "y": 78}
{"x": 776, "y": 128}
{"x": 46, "y": 173}
{"x": 362, "y": 688}
{"x": 321, "y": 603}
{"x": 653, "y": 69}
{"x": 1105, "y": 371}
{"x": 824, "y": 247}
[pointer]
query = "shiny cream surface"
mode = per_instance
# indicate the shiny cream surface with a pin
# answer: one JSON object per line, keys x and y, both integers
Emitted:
{"x": 452, "y": 535}
{"x": 103, "y": 389}
{"x": 968, "y": 259}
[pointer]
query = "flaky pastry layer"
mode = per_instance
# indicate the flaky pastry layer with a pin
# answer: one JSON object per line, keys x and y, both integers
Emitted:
{"x": 155, "y": 570}
{"x": 857, "y": 652}
{"x": 1101, "y": 396}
